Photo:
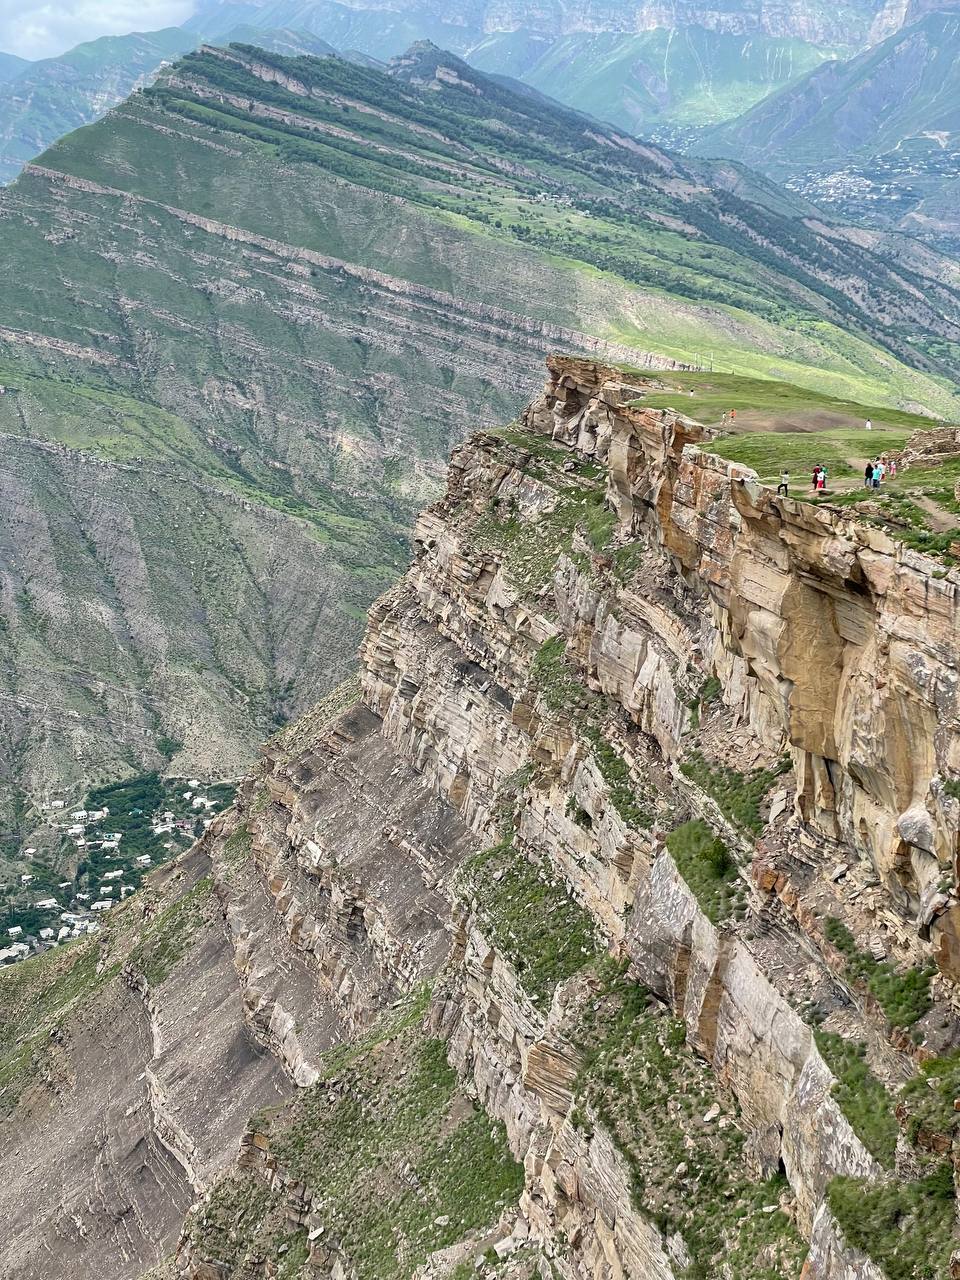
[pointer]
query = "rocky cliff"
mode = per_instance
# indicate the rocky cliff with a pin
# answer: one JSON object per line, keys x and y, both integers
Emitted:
{"x": 607, "y": 929}
{"x": 285, "y": 288}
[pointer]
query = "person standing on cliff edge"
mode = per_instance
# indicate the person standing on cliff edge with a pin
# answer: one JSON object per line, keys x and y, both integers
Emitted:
{"x": 784, "y": 485}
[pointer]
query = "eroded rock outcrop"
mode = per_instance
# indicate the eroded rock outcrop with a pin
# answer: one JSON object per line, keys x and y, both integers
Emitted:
{"x": 597, "y": 940}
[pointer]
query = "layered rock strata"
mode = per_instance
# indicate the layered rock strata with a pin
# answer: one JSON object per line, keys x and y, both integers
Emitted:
{"x": 645, "y": 825}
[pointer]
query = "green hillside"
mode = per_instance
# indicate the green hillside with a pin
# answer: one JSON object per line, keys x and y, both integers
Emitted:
{"x": 669, "y": 78}
{"x": 248, "y": 322}
{"x": 877, "y": 136}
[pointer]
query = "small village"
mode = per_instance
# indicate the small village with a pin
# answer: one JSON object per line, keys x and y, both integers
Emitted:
{"x": 116, "y": 837}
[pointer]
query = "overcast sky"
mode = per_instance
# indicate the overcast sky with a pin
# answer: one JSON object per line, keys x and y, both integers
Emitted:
{"x": 41, "y": 28}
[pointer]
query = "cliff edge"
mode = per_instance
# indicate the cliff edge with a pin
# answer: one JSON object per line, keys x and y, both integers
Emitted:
{"x": 608, "y": 929}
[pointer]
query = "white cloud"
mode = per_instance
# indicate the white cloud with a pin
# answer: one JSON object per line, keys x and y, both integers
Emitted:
{"x": 42, "y": 28}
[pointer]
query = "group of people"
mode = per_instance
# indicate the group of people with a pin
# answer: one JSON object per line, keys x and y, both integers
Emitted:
{"x": 875, "y": 472}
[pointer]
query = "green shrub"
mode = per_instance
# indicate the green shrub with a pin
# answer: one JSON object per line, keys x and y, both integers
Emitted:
{"x": 903, "y": 997}
{"x": 708, "y": 870}
{"x": 862, "y": 1097}
{"x": 615, "y": 773}
{"x": 738, "y": 795}
{"x": 529, "y": 917}
{"x": 930, "y": 1095}
{"x": 907, "y": 1228}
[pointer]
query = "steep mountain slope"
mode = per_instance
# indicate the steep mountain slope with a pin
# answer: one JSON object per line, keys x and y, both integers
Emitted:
{"x": 255, "y": 307}
{"x": 44, "y": 100}
{"x": 666, "y": 76}
{"x": 667, "y": 81}
{"x": 11, "y": 66}
{"x": 612, "y": 932}
{"x": 878, "y": 136}
{"x": 50, "y": 98}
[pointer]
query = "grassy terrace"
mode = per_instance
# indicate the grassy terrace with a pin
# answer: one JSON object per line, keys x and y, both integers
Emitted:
{"x": 780, "y": 426}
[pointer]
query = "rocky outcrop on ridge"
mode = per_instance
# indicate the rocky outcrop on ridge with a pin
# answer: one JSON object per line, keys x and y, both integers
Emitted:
{"x": 610, "y": 933}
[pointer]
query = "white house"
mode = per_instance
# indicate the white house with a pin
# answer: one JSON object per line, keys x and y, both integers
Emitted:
{"x": 64, "y": 884}
{"x": 83, "y": 897}
{"x": 58, "y": 804}
{"x": 65, "y": 932}
{"x": 75, "y": 830}
{"x": 97, "y": 815}
{"x": 112, "y": 875}
{"x": 16, "y": 931}
{"x": 80, "y": 816}
{"x": 28, "y": 852}
{"x": 106, "y": 889}
{"x": 101, "y": 906}
{"x": 26, "y": 879}
{"x": 46, "y": 904}
{"x": 144, "y": 860}
{"x": 46, "y": 934}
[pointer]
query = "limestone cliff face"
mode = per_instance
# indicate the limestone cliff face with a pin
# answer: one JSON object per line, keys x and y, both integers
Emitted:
{"x": 552, "y": 954}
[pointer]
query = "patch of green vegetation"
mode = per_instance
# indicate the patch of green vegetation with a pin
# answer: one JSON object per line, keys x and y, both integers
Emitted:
{"x": 615, "y": 773}
{"x": 898, "y": 512}
{"x": 530, "y": 549}
{"x": 35, "y": 997}
{"x": 903, "y": 997}
{"x": 627, "y": 560}
{"x": 708, "y": 870}
{"x": 862, "y": 1097}
{"x": 715, "y": 394}
{"x": 530, "y": 917}
{"x": 650, "y": 1092}
{"x": 952, "y": 788}
{"x": 930, "y": 1096}
{"x": 169, "y": 936}
{"x": 399, "y": 1162}
{"x": 708, "y": 693}
{"x": 738, "y": 795}
{"x": 556, "y": 680}
{"x": 907, "y": 1228}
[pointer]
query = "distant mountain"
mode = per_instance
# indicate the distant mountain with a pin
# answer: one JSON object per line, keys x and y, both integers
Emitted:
{"x": 682, "y": 78}
{"x": 378, "y": 25}
{"x": 48, "y": 99}
{"x": 11, "y": 66}
{"x": 255, "y": 306}
{"x": 629, "y": 63}
{"x": 42, "y": 101}
{"x": 664, "y": 74}
{"x": 876, "y": 137}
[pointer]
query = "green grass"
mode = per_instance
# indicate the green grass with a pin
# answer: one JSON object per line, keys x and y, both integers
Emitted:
{"x": 903, "y": 997}
{"x": 556, "y": 680}
{"x": 398, "y": 1162}
{"x": 907, "y": 1228}
{"x": 530, "y": 549}
{"x": 526, "y": 912}
{"x": 862, "y": 1097}
{"x": 650, "y": 1092}
{"x": 930, "y": 1096}
{"x": 738, "y": 795}
{"x": 36, "y": 997}
{"x": 708, "y": 870}
{"x": 167, "y": 937}
{"x": 715, "y": 394}
{"x": 615, "y": 773}
{"x": 839, "y": 450}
